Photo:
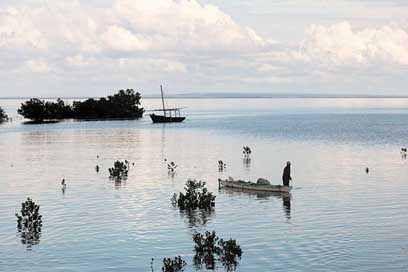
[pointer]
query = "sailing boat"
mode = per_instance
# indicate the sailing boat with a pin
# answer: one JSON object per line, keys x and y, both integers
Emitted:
{"x": 171, "y": 115}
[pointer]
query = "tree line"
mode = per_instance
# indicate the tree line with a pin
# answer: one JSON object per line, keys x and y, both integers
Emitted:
{"x": 123, "y": 104}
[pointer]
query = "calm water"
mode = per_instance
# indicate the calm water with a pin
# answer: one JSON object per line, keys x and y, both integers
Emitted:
{"x": 338, "y": 218}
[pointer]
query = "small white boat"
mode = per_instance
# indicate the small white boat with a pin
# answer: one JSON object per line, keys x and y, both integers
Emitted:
{"x": 247, "y": 185}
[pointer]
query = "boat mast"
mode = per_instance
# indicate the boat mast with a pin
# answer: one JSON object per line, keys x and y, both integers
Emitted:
{"x": 161, "y": 90}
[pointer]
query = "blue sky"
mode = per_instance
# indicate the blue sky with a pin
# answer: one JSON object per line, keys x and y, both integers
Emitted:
{"x": 91, "y": 48}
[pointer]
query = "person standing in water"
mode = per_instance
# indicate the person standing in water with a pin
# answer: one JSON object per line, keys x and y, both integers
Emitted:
{"x": 286, "y": 174}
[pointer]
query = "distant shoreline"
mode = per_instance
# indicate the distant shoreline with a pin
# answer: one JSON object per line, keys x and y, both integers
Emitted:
{"x": 239, "y": 96}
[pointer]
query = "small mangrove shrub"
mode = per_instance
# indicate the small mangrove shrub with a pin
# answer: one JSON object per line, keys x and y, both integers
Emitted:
{"x": 231, "y": 253}
{"x": 29, "y": 223}
{"x": 171, "y": 167}
{"x": 3, "y": 115}
{"x": 209, "y": 249}
{"x": 119, "y": 170}
{"x": 246, "y": 151}
{"x": 221, "y": 165}
{"x": 404, "y": 152}
{"x": 173, "y": 265}
{"x": 196, "y": 196}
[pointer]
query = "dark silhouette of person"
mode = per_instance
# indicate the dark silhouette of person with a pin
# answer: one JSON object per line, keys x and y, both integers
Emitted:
{"x": 286, "y": 174}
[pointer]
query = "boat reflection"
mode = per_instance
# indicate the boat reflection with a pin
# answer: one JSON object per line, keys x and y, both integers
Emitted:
{"x": 286, "y": 197}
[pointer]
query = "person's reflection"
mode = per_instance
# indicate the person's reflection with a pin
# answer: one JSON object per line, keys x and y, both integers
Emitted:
{"x": 286, "y": 198}
{"x": 286, "y": 205}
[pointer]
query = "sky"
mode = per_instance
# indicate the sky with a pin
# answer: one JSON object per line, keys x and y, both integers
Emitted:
{"x": 72, "y": 48}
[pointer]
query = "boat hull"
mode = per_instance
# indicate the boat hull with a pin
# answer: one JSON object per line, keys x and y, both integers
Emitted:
{"x": 250, "y": 186}
{"x": 166, "y": 119}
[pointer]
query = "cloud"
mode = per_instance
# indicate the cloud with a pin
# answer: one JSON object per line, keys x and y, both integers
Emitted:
{"x": 126, "y": 26}
{"x": 17, "y": 30}
{"x": 121, "y": 39}
{"x": 72, "y": 34}
{"x": 185, "y": 24}
{"x": 78, "y": 61}
{"x": 194, "y": 46}
{"x": 341, "y": 44}
{"x": 37, "y": 66}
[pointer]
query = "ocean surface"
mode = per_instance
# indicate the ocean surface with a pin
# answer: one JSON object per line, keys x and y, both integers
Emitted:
{"x": 337, "y": 217}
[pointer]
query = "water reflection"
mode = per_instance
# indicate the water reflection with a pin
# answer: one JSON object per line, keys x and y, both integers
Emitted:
{"x": 171, "y": 174}
{"x": 247, "y": 163}
{"x": 29, "y": 238}
{"x": 204, "y": 259}
{"x": 119, "y": 183}
{"x": 208, "y": 260}
{"x": 197, "y": 218}
{"x": 286, "y": 197}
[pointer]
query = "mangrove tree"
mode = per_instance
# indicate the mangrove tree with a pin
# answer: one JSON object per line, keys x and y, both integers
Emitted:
{"x": 123, "y": 104}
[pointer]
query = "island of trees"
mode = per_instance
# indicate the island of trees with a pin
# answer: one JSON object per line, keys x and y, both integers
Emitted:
{"x": 3, "y": 115}
{"x": 123, "y": 104}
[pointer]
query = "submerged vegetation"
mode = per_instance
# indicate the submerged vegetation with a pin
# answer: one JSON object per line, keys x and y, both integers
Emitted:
{"x": 195, "y": 197}
{"x": 123, "y": 104}
{"x": 29, "y": 223}
{"x": 3, "y": 115}
{"x": 171, "y": 166}
{"x": 209, "y": 249}
{"x": 221, "y": 166}
{"x": 119, "y": 170}
{"x": 173, "y": 265}
{"x": 246, "y": 151}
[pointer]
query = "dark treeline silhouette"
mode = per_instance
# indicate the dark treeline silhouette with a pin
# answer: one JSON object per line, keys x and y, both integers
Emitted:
{"x": 124, "y": 104}
{"x": 3, "y": 115}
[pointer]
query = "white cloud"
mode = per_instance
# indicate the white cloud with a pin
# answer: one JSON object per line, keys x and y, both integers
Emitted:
{"x": 341, "y": 44}
{"x": 150, "y": 65}
{"x": 77, "y": 60}
{"x": 17, "y": 29}
{"x": 38, "y": 66}
{"x": 162, "y": 25}
{"x": 186, "y": 24}
{"x": 268, "y": 68}
{"x": 119, "y": 38}
{"x": 196, "y": 46}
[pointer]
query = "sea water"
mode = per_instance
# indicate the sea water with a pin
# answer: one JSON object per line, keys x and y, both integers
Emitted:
{"x": 337, "y": 217}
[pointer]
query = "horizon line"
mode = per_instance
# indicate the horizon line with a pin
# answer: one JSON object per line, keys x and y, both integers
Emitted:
{"x": 224, "y": 95}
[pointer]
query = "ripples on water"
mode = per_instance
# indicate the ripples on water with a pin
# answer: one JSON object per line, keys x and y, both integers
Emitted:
{"x": 337, "y": 218}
